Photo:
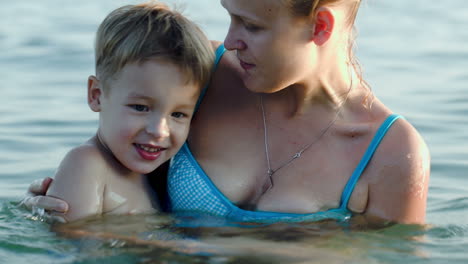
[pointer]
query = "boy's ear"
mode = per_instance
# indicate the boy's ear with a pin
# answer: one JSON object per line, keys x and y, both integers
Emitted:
{"x": 94, "y": 94}
{"x": 323, "y": 25}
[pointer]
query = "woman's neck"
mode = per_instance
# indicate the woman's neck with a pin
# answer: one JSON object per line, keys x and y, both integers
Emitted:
{"x": 331, "y": 89}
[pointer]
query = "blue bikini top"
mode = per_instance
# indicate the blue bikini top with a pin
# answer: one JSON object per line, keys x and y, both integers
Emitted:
{"x": 192, "y": 191}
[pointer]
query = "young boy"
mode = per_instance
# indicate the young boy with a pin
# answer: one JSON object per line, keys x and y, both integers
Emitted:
{"x": 150, "y": 65}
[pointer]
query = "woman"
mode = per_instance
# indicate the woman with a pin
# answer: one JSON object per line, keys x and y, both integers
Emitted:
{"x": 287, "y": 129}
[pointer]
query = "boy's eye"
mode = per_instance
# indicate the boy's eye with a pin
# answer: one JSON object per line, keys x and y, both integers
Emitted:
{"x": 178, "y": 115}
{"x": 139, "y": 108}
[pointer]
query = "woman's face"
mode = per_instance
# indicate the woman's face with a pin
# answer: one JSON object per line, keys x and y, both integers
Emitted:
{"x": 272, "y": 46}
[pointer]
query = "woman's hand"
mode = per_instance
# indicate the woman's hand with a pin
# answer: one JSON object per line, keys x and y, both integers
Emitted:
{"x": 48, "y": 208}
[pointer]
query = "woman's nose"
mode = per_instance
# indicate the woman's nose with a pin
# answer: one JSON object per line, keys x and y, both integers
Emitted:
{"x": 233, "y": 41}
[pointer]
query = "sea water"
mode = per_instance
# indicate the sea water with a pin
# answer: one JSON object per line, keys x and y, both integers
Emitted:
{"x": 414, "y": 55}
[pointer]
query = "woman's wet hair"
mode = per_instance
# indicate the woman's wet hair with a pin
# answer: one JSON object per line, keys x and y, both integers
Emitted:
{"x": 307, "y": 8}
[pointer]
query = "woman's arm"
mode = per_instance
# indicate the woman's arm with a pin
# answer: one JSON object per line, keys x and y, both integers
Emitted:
{"x": 79, "y": 182}
{"x": 399, "y": 185}
{"x": 35, "y": 197}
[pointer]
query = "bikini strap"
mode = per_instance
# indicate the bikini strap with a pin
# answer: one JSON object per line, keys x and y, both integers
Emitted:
{"x": 219, "y": 54}
{"x": 351, "y": 184}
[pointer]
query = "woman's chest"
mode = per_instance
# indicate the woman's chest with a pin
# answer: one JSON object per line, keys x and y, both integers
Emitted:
{"x": 239, "y": 151}
{"x": 239, "y": 167}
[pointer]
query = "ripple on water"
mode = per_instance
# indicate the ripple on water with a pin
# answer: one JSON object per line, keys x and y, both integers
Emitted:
{"x": 458, "y": 204}
{"x": 23, "y": 238}
{"x": 447, "y": 244}
{"x": 21, "y": 234}
{"x": 59, "y": 123}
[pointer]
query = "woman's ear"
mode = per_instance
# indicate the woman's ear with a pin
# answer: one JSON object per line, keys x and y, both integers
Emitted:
{"x": 94, "y": 94}
{"x": 324, "y": 25}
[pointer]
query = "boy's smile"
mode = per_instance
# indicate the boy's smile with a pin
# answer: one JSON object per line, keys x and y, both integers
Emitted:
{"x": 148, "y": 151}
{"x": 145, "y": 113}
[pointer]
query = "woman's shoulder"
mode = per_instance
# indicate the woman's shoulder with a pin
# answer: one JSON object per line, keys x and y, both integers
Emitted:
{"x": 399, "y": 175}
{"x": 228, "y": 62}
{"x": 403, "y": 145}
{"x": 215, "y": 44}
{"x": 226, "y": 75}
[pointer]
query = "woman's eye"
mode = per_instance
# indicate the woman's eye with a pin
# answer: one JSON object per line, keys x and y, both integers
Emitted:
{"x": 251, "y": 27}
{"x": 178, "y": 115}
{"x": 139, "y": 108}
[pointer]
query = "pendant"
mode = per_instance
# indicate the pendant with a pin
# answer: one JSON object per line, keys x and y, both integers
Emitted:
{"x": 297, "y": 155}
{"x": 270, "y": 177}
{"x": 270, "y": 173}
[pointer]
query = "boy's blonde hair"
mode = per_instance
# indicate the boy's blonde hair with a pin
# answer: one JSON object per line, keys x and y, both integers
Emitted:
{"x": 138, "y": 33}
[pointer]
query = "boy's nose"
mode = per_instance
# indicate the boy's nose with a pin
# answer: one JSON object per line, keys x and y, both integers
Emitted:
{"x": 158, "y": 128}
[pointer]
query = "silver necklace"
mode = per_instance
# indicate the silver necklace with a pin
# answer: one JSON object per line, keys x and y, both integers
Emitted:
{"x": 298, "y": 154}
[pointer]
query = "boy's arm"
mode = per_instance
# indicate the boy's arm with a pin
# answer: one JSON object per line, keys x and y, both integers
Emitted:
{"x": 80, "y": 182}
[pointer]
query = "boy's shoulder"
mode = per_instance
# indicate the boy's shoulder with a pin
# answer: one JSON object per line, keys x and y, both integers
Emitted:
{"x": 86, "y": 152}
{"x": 80, "y": 180}
{"x": 85, "y": 160}
{"x": 88, "y": 157}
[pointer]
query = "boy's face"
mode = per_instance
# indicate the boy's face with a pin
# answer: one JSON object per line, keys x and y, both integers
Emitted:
{"x": 145, "y": 115}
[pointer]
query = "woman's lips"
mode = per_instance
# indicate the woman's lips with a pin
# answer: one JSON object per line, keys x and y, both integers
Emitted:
{"x": 246, "y": 66}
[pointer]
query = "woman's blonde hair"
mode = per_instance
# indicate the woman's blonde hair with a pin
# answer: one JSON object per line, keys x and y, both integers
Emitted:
{"x": 306, "y": 8}
{"x": 138, "y": 33}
